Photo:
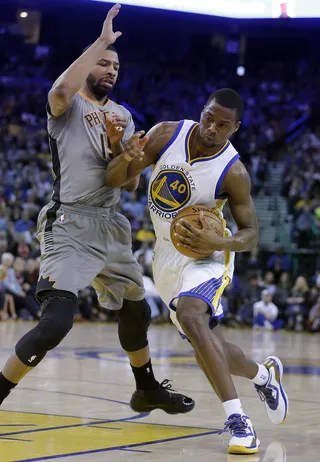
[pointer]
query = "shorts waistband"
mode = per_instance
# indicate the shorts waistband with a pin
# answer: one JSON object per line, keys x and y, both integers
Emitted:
{"x": 87, "y": 210}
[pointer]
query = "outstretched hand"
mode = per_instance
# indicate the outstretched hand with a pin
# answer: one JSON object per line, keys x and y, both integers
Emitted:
{"x": 133, "y": 148}
{"x": 107, "y": 33}
{"x": 200, "y": 240}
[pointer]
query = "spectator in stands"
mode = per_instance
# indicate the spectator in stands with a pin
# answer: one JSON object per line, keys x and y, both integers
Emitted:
{"x": 254, "y": 261}
{"x": 146, "y": 250}
{"x": 134, "y": 207}
{"x": 251, "y": 294}
{"x": 31, "y": 275}
{"x": 266, "y": 313}
{"x": 269, "y": 282}
{"x": 316, "y": 280}
{"x": 232, "y": 302}
{"x": 279, "y": 263}
{"x": 14, "y": 288}
{"x": 35, "y": 249}
{"x": 85, "y": 306}
{"x": 261, "y": 176}
{"x": 20, "y": 246}
{"x": 24, "y": 225}
{"x": 146, "y": 233}
{"x": 304, "y": 228}
{"x": 281, "y": 294}
{"x": 7, "y": 305}
{"x": 314, "y": 317}
{"x": 19, "y": 267}
{"x": 297, "y": 304}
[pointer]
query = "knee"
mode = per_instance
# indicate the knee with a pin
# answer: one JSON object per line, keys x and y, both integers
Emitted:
{"x": 56, "y": 319}
{"x": 58, "y": 308}
{"x": 192, "y": 319}
{"x": 134, "y": 320}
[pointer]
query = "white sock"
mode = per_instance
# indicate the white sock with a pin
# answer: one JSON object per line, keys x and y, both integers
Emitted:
{"x": 262, "y": 376}
{"x": 233, "y": 406}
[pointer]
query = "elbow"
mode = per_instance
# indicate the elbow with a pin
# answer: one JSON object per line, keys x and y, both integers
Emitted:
{"x": 59, "y": 99}
{"x": 254, "y": 240}
{"x": 60, "y": 92}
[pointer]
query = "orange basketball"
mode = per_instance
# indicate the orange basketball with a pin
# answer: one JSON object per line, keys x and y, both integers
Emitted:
{"x": 192, "y": 215}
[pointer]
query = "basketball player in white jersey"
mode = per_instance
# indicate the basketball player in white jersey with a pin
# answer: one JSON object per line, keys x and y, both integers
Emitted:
{"x": 195, "y": 163}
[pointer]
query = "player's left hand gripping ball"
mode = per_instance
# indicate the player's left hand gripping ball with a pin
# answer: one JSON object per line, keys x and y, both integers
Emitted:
{"x": 199, "y": 240}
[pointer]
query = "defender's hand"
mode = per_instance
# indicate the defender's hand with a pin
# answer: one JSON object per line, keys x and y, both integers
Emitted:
{"x": 107, "y": 33}
{"x": 133, "y": 148}
{"x": 115, "y": 129}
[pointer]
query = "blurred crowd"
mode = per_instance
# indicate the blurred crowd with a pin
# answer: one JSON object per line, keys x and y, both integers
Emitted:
{"x": 268, "y": 297}
{"x": 276, "y": 97}
{"x": 301, "y": 185}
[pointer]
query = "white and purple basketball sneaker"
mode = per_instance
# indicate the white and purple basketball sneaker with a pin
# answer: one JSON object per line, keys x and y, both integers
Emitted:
{"x": 272, "y": 393}
{"x": 243, "y": 436}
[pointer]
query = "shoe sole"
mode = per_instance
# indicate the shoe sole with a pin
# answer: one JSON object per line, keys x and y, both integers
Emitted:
{"x": 243, "y": 449}
{"x": 148, "y": 410}
{"x": 279, "y": 366}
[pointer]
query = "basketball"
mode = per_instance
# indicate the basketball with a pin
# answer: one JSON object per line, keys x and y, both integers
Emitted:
{"x": 192, "y": 215}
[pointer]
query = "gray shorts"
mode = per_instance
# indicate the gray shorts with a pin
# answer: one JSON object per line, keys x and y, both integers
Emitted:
{"x": 83, "y": 245}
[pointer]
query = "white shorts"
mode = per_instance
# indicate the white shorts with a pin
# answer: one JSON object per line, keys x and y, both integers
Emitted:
{"x": 176, "y": 275}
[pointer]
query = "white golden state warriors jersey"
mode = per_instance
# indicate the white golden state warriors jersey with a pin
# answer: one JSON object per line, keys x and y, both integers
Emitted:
{"x": 177, "y": 181}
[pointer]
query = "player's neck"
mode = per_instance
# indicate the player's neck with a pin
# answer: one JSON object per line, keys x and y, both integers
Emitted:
{"x": 101, "y": 101}
{"x": 197, "y": 149}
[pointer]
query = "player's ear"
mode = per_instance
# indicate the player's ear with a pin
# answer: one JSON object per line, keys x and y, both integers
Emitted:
{"x": 236, "y": 127}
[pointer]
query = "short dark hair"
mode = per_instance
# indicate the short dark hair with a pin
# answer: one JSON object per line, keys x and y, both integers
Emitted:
{"x": 109, "y": 47}
{"x": 229, "y": 98}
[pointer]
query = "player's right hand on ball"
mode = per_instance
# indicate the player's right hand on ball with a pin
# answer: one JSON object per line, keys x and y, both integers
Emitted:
{"x": 133, "y": 148}
{"x": 107, "y": 33}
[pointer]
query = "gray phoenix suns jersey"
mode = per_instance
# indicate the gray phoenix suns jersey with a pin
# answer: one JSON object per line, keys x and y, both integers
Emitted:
{"x": 80, "y": 152}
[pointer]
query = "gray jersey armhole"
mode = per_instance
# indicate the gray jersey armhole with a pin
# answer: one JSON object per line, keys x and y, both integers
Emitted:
{"x": 57, "y": 123}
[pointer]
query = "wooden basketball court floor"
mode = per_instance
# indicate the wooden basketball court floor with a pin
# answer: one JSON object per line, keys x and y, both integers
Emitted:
{"x": 74, "y": 406}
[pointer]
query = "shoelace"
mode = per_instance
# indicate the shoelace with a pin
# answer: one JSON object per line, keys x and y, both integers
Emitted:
{"x": 265, "y": 394}
{"x": 167, "y": 385}
{"x": 174, "y": 396}
{"x": 236, "y": 426}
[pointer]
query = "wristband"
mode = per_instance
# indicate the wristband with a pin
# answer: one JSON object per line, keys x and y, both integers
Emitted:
{"x": 127, "y": 157}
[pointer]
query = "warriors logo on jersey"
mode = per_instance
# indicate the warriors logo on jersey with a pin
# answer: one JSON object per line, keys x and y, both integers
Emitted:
{"x": 170, "y": 190}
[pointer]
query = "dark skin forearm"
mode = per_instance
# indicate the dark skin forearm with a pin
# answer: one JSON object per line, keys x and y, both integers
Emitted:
{"x": 117, "y": 174}
{"x": 117, "y": 149}
{"x": 243, "y": 241}
{"x": 131, "y": 185}
{"x": 237, "y": 185}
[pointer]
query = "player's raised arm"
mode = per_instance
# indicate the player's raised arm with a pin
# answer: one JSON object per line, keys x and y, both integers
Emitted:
{"x": 237, "y": 185}
{"x": 61, "y": 94}
{"x": 139, "y": 153}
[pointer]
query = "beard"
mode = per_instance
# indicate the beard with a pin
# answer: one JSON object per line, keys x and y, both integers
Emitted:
{"x": 207, "y": 144}
{"x": 94, "y": 86}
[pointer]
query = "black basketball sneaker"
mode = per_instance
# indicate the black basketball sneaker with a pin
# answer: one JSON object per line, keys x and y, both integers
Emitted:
{"x": 163, "y": 397}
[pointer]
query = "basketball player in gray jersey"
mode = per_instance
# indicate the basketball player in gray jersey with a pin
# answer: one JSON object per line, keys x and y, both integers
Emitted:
{"x": 83, "y": 240}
